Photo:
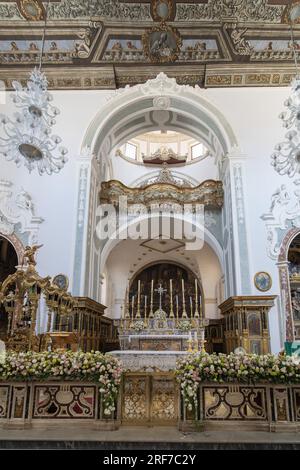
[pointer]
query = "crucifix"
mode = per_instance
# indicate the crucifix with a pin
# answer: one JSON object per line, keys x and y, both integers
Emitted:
{"x": 160, "y": 291}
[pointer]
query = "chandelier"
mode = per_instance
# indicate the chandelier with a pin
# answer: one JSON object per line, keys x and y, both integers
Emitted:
{"x": 28, "y": 136}
{"x": 286, "y": 157}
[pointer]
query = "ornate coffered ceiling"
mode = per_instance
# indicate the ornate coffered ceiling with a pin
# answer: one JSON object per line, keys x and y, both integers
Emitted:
{"x": 98, "y": 44}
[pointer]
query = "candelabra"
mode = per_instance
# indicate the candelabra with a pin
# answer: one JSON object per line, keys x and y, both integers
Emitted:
{"x": 20, "y": 295}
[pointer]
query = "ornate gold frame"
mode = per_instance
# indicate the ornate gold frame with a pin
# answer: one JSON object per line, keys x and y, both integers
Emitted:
{"x": 286, "y": 13}
{"x": 171, "y": 6}
{"x": 146, "y": 43}
{"x": 256, "y": 283}
{"x": 40, "y": 8}
{"x": 66, "y": 278}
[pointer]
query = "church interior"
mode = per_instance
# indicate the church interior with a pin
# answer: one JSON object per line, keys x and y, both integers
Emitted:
{"x": 150, "y": 216}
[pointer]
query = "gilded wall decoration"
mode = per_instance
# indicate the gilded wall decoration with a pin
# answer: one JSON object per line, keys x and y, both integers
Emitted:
{"x": 162, "y": 44}
{"x": 163, "y": 10}
{"x": 291, "y": 12}
{"x": 31, "y": 10}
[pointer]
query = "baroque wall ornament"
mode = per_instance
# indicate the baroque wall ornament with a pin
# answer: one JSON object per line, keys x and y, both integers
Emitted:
{"x": 239, "y": 43}
{"x": 17, "y": 213}
{"x": 162, "y": 43}
{"x": 103, "y": 8}
{"x": 243, "y": 10}
{"x": 286, "y": 158}
{"x": 283, "y": 215}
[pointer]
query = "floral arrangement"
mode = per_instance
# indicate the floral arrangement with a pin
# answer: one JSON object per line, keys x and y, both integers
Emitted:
{"x": 138, "y": 325}
{"x": 92, "y": 366}
{"x": 220, "y": 368}
{"x": 184, "y": 325}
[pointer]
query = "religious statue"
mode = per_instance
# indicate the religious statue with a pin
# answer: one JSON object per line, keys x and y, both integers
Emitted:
{"x": 29, "y": 255}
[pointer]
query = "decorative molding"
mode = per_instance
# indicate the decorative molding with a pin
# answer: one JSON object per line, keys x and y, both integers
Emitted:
{"x": 69, "y": 9}
{"x": 241, "y": 10}
{"x": 283, "y": 215}
{"x": 17, "y": 214}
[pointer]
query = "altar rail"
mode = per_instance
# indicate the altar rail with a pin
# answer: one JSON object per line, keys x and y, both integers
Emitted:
{"x": 262, "y": 407}
{"x": 151, "y": 399}
{"x": 25, "y": 405}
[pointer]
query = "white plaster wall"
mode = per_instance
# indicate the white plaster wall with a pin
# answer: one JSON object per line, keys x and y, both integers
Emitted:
{"x": 55, "y": 196}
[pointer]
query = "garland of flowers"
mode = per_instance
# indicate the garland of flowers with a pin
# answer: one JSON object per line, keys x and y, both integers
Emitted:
{"x": 184, "y": 325}
{"x": 138, "y": 325}
{"x": 220, "y": 368}
{"x": 92, "y": 367}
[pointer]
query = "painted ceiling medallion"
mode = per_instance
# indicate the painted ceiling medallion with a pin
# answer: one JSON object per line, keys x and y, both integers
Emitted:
{"x": 291, "y": 13}
{"x": 163, "y": 10}
{"x": 162, "y": 43}
{"x": 32, "y": 10}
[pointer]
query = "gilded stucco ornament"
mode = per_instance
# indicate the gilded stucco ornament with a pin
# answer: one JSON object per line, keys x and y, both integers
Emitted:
{"x": 32, "y": 10}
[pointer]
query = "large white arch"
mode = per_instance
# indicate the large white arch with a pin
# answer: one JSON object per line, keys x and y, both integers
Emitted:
{"x": 158, "y": 103}
{"x": 209, "y": 238}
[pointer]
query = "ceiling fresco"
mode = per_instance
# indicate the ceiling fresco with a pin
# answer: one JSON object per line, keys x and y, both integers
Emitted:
{"x": 99, "y": 44}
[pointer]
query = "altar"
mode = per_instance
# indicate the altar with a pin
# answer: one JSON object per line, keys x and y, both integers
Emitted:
{"x": 154, "y": 342}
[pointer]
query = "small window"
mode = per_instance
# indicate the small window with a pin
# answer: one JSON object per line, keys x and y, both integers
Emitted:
{"x": 131, "y": 150}
{"x": 198, "y": 150}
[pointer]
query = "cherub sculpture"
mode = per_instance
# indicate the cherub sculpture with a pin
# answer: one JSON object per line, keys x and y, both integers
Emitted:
{"x": 29, "y": 255}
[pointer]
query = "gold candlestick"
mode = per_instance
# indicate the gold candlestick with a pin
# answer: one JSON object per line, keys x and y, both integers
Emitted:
{"x": 177, "y": 308}
{"x": 171, "y": 299}
{"x": 201, "y": 307}
{"x": 184, "y": 315}
{"x": 191, "y": 307}
{"x": 122, "y": 318}
{"x": 145, "y": 312}
{"x": 138, "y": 314}
{"x": 196, "y": 299}
{"x": 132, "y": 307}
{"x": 127, "y": 306}
{"x": 151, "y": 300}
